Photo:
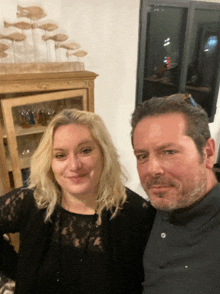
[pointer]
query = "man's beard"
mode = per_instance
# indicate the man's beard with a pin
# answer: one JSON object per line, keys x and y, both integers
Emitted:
{"x": 177, "y": 197}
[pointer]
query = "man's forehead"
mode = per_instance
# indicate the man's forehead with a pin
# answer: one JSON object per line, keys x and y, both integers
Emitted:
{"x": 158, "y": 123}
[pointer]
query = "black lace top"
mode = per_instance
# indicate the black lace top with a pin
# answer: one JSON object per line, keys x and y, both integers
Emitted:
{"x": 75, "y": 253}
{"x": 76, "y": 249}
{"x": 75, "y": 258}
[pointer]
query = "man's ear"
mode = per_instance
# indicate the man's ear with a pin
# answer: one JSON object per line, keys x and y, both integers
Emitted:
{"x": 209, "y": 153}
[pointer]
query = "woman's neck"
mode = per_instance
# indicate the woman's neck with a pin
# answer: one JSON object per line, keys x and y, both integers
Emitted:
{"x": 79, "y": 205}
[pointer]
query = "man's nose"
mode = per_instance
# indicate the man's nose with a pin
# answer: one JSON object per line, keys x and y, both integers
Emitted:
{"x": 154, "y": 166}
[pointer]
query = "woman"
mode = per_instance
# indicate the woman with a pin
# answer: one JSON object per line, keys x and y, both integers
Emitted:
{"x": 8, "y": 261}
{"x": 81, "y": 230}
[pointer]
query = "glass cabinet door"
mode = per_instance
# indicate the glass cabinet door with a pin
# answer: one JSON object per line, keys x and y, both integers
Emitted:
{"x": 179, "y": 51}
{"x": 165, "y": 39}
{"x": 26, "y": 118}
{"x": 203, "y": 61}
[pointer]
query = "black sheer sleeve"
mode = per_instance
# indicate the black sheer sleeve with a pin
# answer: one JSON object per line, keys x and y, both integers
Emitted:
{"x": 15, "y": 207}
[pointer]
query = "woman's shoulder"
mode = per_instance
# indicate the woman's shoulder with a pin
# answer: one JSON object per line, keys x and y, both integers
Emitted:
{"x": 19, "y": 194}
{"x": 135, "y": 200}
{"x": 136, "y": 206}
{"x": 136, "y": 213}
{"x": 18, "y": 200}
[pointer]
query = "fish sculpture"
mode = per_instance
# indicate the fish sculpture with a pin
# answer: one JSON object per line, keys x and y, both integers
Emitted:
{"x": 3, "y": 54}
{"x": 80, "y": 53}
{"x": 20, "y": 25}
{"x": 56, "y": 38}
{"x": 31, "y": 12}
{"x": 70, "y": 46}
{"x": 47, "y": 27}
{"x": 14, "y": 37}
{"x": 3, "y": 47}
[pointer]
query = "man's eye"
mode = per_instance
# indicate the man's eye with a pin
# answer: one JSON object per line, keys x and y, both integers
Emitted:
{"x": 170, "y": 152}
{"x": 141, "y": 157}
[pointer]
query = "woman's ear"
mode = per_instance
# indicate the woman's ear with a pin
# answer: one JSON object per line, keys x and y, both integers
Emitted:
{"x": 209, "y": 153}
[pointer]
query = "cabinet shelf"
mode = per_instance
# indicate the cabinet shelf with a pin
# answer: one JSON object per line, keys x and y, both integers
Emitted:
{"x": 166, "y": 82}
{"x": 163, "y": 81}
{"x": 24, "y": 163}
{"x": 20, "y": 131}
{"x": 199, "y": 89}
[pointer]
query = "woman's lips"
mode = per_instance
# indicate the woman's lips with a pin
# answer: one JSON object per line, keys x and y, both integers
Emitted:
{"x": 77, "y": 178}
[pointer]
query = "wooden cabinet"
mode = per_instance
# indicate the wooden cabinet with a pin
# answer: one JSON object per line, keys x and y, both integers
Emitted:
{"x": 33, "y": 91}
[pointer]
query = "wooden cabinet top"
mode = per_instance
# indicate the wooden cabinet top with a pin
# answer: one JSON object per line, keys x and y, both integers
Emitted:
{"x": 11, "y": 83}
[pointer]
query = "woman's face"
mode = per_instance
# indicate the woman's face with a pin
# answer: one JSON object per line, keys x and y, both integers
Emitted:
{"x": 77, "y": 161}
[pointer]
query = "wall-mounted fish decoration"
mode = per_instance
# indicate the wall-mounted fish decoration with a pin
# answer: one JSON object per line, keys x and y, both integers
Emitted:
{"x": 47, "y": 27}
{"x": 3, "y": 47}
{"x": 56, "y": 38}
{"x": 70, "y": 46}
{"x": 3, "y": 54}
{"x": 31, "y": 12}
{"x": 14, "y": 37}
{"x": 20, "y": 25}
{"x": 80, "y": 53}
{"x": 34, "y": 14}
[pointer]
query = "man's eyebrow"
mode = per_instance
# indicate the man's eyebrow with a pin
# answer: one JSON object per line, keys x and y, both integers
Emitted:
{"x": 161, "y": 147}
{"x": 140, "y": 151}
{"x": 167, "y": 145}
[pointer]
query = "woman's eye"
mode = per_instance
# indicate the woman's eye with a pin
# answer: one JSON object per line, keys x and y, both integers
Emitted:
{"x": 86, "y": 150}
{"x": 59, "y": 156}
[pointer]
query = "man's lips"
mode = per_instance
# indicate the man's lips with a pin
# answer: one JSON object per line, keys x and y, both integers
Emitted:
{"x": 159, "y": 188}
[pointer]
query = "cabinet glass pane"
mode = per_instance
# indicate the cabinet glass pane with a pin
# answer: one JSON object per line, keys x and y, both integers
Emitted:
{"x": 202, "y": 73}
{"x": 165, "y": 41}
{"x": 30, "y": 121}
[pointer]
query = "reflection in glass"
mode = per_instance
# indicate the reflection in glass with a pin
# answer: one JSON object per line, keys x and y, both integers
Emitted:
{"x": 202, "y": 70}
{"x": 165, "y": 38}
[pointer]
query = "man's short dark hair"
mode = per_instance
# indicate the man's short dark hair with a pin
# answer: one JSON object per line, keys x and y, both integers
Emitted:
{"x": 196, "y": 118}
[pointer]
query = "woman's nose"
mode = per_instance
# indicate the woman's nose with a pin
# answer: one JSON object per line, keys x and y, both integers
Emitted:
{"x": 74, "y": 162}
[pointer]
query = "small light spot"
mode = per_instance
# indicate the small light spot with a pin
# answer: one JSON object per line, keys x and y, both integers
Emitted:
{"x": 163, "y": 235}
{"x": 186, "y": 266}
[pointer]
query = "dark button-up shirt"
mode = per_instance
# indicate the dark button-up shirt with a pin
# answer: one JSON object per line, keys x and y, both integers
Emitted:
{"x": 183, "y": 253}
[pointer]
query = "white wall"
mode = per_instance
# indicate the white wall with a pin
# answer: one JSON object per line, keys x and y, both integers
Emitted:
{"x": 108, "y": 31}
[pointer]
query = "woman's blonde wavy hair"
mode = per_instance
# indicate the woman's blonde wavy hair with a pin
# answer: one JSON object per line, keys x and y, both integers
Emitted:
{"x": 47, "y": 192}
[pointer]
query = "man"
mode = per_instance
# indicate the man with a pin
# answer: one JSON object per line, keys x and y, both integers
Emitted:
{"x": 175, "y": 156}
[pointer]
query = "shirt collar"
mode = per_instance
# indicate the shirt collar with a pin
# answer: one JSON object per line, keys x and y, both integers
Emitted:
{"x": 197, "y": 215}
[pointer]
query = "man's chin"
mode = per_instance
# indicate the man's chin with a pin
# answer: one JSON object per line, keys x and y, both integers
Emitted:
{"x": 160, "y": 202}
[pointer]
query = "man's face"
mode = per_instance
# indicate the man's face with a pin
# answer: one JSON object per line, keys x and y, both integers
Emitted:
{"x": 170, "y": 168}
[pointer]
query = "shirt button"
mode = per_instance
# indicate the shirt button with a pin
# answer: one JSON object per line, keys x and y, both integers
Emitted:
{"x": 163, "y": 235}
